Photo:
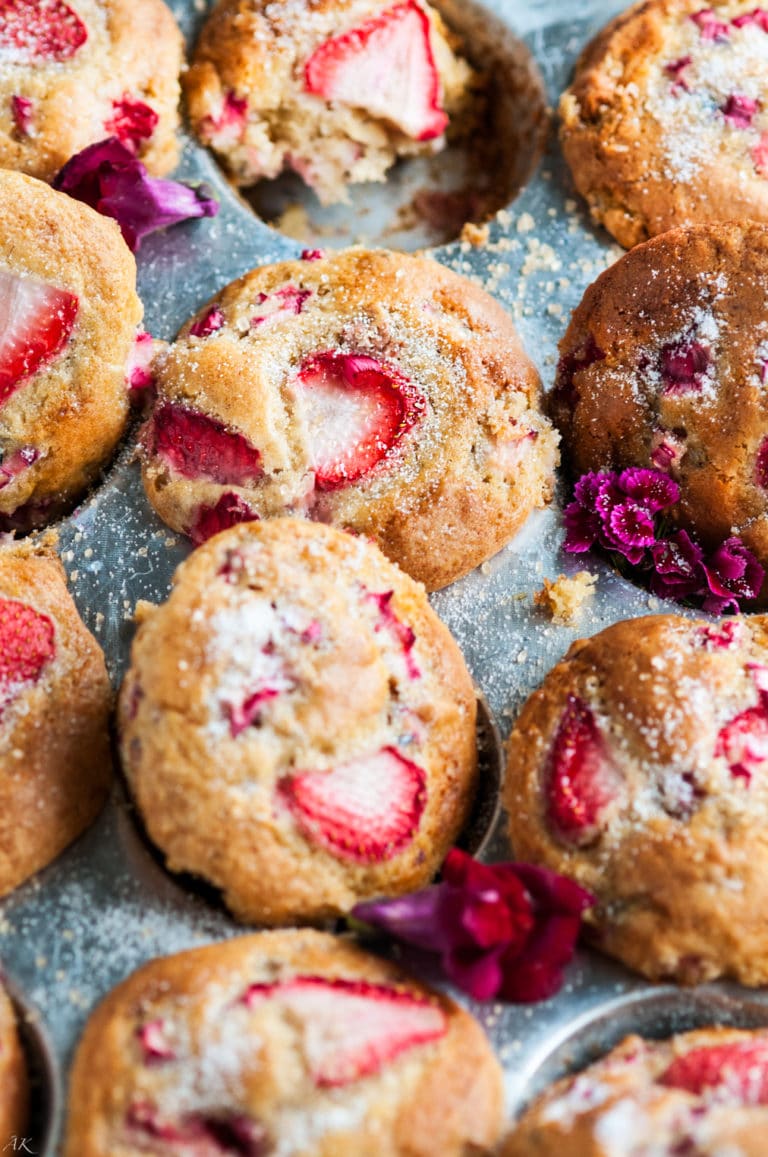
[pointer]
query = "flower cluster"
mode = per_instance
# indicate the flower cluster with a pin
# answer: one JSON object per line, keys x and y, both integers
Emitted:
{"x": 109, "y": 177}
{"x": 502, "y": 931}
{"x": 623, "y": 513}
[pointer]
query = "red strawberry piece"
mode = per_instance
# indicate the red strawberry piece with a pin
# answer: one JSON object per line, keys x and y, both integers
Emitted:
{"x": 206, "y": 1133}
{"x": 210, "y": 322}
{"x": 709, "y": 26}
{"x": 683, "y": 365}
{"x": 759, "y": 674}
{"x": 197, "y": 446}
{"x": 273, "y": 683}
{"x": 386, "y": 67}
{"x": 738, "y": 1069}
{"x": 226, "y": 128}
{"x": 739, "y": 110}
{"x": 356, "y": 410}
{"x": 676, "y": 69}
{"x": 403, "y": 634}
{"x": 572, "y": 364}
{"x": 353, "y": 1028}
{"x": 154, "y": 1043}
{"x": 138, "y": 372}
{"x": 40, "y": 30}
{"x": 365, "y": 811}
{"x": 36, "y": 321}
{"x": 581, "y": 781}
{"x": 230, "y": 510}
{"x": 17, "y": 463}
{"x": 132, "y": 122}
{"x": 759, "y": 155}
{"x": 720, "y": 637}
{"x": 22, "y": 109}
{"x": 26, "y": 646}
{"x": 743, "y": 742}
{"x": 667, "y": 449}
{"x": 758, "y": 16}
{"x": 288, "y": 300}
{"x": 313, "y": 255}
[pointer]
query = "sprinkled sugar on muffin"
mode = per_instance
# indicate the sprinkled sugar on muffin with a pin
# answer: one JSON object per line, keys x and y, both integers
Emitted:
{"x": 75, "y": 73}
{"x": 290, "y": 1044}
{"x": 666, "y": 121}
{"x": 640, "y": 769}
{"x": 297, "y": 726}
{"x": 703, "y": 1093}
{"x": 335, "y": 90}
{"x": 379, "y": 392}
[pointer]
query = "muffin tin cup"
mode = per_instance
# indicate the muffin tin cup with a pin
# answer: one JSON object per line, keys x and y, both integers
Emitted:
{"x": 106, "y": 905}
{"x": 44, "y": 1074}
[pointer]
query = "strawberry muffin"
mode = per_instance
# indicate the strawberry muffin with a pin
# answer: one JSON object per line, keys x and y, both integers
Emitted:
{"x": 297, "y": 725}
{"x": 55, "y": 702}
{"x": 703, "y": 1094}
{"x": 335, "y": 90}
{"x": 640, "y": 769}
{"x": 14, "y": 1091}
{"x": 666, "y": 121}
{"x": 283, "y": 1044}
{"x": 74, "y": 73}
{"x": 375, "y": 391}
{"x": 68, "y": 327}
{"x": 665, "y": 364}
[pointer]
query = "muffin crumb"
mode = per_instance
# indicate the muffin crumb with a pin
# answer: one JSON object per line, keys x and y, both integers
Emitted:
{"x": 563, "y": 599}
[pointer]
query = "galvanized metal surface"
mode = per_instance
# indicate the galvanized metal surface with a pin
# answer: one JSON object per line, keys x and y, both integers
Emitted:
{"x": 107, "y": 905}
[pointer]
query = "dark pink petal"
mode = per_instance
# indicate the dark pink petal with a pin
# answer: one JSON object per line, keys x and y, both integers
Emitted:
{"x": 739, "y": 110}
{"x": 480, "y": 975}
{"x": 132, "y": 122}
{"x": 678, "y": 571}
{"x": 709, "y": 26}
{"x": 551, "y": 892}
{"x": 230, "y": 510}
{"x": 582, "y": 529}
{"x": 22, "y": 110}
{"x": 631, "y": 525}
{"x": 108, "y": 177}
{"x": 210, "y": 323}
{"x": 537, "y": 974}
{"x": 733, "y": 572}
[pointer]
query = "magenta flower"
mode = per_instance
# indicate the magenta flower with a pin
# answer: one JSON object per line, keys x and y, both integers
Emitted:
{"x": 502, "y": 931}
{"x": 108, "y": 177}
{"x": 621, "y": 513}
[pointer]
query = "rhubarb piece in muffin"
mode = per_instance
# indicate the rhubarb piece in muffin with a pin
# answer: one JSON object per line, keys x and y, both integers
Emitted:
{"x": 73, "y": 73}
{"x": 375, "y": 391}
{"x": 335, "y": 91}
{"x": 703, "y": 1093}
{"x": 14, "y": 1087}
{"x": 68, "y": 325}
{"x": 665, "y": 365}
{"x": 281, "y": 1043}
{"x": 666, "y": 121}
{"x": 297, "y": 725}
{"x": 55, "y": 701}
{"x": 640, "y": 769}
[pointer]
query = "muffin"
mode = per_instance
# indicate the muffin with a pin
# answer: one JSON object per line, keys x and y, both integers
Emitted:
{"x": 290, "y": 1043}
{"x": 297, "y": 725}
{"x": 74, "y": 74}
{"x": 14, "y": 1090}
{"x": 639, "y": 768}
{"x": 334, "y": 90}
{"x": 55, "y": 702}
{"x": 666, "y": 121}
{"x": 375, "y": 391}
{"x": 664, "y": 365}
{"x": 702, "y": 1093}
{"x": 68, "y": 325}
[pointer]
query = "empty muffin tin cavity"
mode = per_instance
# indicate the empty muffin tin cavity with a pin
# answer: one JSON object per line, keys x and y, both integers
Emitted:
{"x": 656, "y": 1015}
{"x": 149, "y": 863}
{"x": 39, "y": 1137}
{"x": 427, "y": 201}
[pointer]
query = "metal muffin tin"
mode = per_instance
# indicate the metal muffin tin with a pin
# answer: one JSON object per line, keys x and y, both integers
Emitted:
{"x": 107, "y": 905}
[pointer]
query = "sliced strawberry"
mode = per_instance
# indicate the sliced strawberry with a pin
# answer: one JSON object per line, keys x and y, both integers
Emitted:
{"x": 230, "y": 510}
{"x": 743, "y": 741}
{"x": 40, "y": 30}
{"x": 197, "y": 446}
{"x": 740, "y": 110}
{"x": 365, "y": 811}
{"x": 26, "y": 645}
{"x": 16, "y": 463}
{"x": 581, "y": 782}
{"x": 356, "y": 410}
{"x": 387, "y": 67}
{"x": 710, "y": 26}
{"x": 138, "y": 371}
{"x": 200, "y": 1134}
{"x": 352, "y": 1028}
{"x": 227, "y": 127}
{"x": 404, "y": 634}
{"x": 36, "y": 321}
{"x": 22, "y": 111}
{"x": 132, "y": 121}
{"x": 283, "y": 302}
{"x": 210, "y": 322}
{"x": 738, "y": 1069}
